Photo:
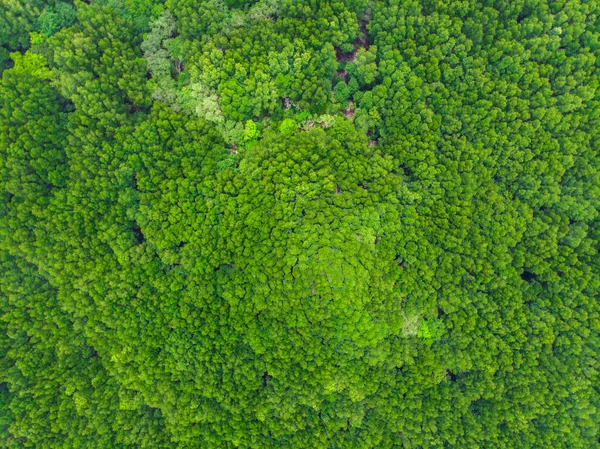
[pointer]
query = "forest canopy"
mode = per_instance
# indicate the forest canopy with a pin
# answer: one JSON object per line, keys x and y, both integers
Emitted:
{"x": 299, "y": 224}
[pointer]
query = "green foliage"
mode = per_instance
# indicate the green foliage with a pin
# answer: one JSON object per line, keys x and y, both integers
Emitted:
{"x": 299, "y": 223}
{"x": 341, "y": 92}
{"x": 365, "y": 68}
{"x": 239, "y": 3}
{"x": 17, "y": 19}
{"x": 229, "y": 162}
{"x": 31, "y": 64}
{"x": 140, "y": 13}
{"x": 157, "y": 49}
{"x": 202, "y": 101}
{"x": 430, "y": 330}
{"x": 55, "y": 17}
{"x": 288, "y": 126}
{"x": 353, "y": 86}
{"x": 251, "y": 131}
{"x": 153, "y": 46}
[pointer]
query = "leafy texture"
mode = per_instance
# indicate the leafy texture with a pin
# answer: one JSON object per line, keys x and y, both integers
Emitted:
{"x": 299, "y": 224}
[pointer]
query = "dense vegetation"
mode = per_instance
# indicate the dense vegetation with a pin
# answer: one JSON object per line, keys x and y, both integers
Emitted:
{"x": 299, "y": 224}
